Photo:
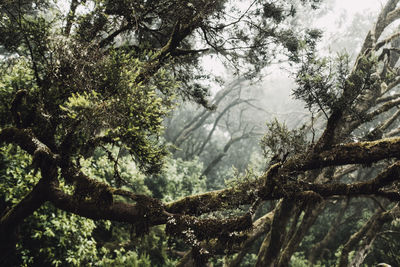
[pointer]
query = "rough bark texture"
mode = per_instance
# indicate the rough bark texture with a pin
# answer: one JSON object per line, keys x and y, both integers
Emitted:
{"x": 272, "y": 244}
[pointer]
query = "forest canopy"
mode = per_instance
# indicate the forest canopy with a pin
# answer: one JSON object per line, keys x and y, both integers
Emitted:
{"x": 116, "y": 138}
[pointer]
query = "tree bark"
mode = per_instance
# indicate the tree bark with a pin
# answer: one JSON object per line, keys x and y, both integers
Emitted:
{"x": 317, "y": 249}
{"x": 272, "y": 244}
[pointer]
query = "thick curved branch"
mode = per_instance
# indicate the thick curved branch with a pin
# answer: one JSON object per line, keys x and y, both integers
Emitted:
{"x": 351, "y": 153}
{"x": 370, "y": 187}
{"x": 147, "y": 211}
{"x": 31, "y": 202}
{"x": 116, "y": 211}
{"x": 368, "y": 231}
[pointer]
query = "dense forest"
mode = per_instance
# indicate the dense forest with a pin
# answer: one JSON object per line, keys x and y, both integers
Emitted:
{"x": 141, "y": 133}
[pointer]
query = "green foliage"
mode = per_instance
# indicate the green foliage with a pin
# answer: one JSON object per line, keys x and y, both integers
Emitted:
{"x": 17, "y": 175}
{"x": 322, "y": 81}
{"x": 47, "y": 226}
{"x": 298, "y": 260}
{"x": 126, "y": 258}
{"x": 78, "y": 92}
{"x": 125, "y": 174}
{"x": 279, "y": 140}
{"x": 99, "y": 101}
{"x": 78, "y": 238}
{"x": 183, "y": 179}
{"x": 116, "y": 108}
{"x": 13, "y": 77}
{"x": 178, "y": 179}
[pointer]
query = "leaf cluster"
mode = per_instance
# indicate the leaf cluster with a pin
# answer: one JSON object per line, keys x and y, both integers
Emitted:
{"x": 281, "y": 141}
{"x": 321, "y": 81}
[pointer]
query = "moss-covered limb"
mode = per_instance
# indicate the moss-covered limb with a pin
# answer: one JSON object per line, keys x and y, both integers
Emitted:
{"x": 318, "y": 247}
{"x": 356, "y": 88}
{"x": 14, "y": 217}
{"x": 238, "y": 241}
{"x": 272, "y": 244}
{"x": 242, "y": 194}
{"x": 44, "y": 160}
{"x": 86, "y": 187}
{"x": 293, "y": 224}
{"x": 370, "y": 187}
{"x": 214, "y": 200}
{"x": 260, "y": 227}
{"x": 24, "y": 138}
{"x": 92, "y": 198}
{"x": 117, "y": 211}
{"x": 369, "y": 230}
{"x": 206, "y": 229}
{"x": 328, "y": 136}
{"x": 25, "y": 207}
{"x": 275, "y": 186}
{"x": 343, "y": 154}
{"x": 208, "y": 236}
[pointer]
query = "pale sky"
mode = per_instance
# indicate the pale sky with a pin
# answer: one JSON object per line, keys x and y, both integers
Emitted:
{"x": 350, "y": 7}
{"x": 358, "y": 5}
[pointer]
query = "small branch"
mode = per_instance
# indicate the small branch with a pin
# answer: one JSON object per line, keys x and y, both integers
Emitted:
{"x": 387, "y": 98}
{"x": 219, "y": 157}
{"x": 385, "y": 107}
{"x": 378, "y": 131}
{"x": 386, "y": 41}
